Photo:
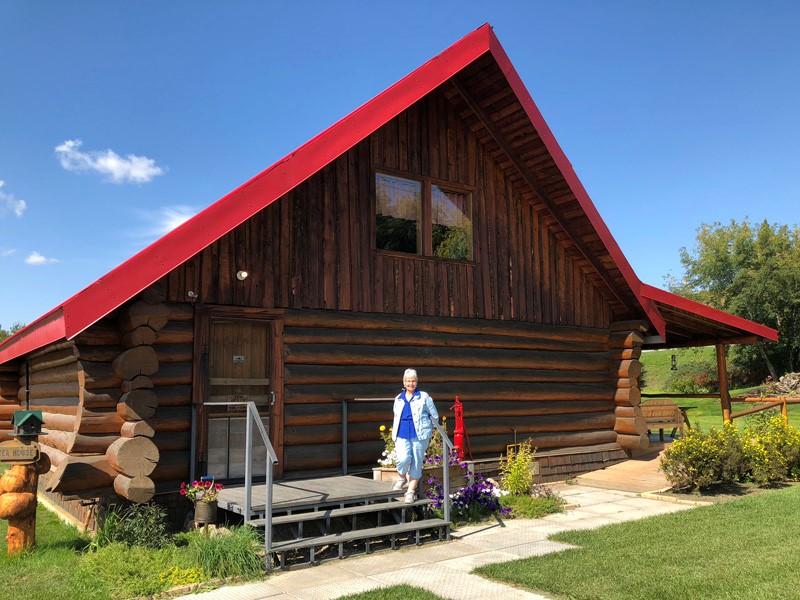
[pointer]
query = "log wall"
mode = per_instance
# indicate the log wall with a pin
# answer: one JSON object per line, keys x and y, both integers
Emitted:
{"x": 552, "y": 384}
{"x": 9, "y": 401}
{"x": 111, "y": 395}
{"x": 314, "y": 247}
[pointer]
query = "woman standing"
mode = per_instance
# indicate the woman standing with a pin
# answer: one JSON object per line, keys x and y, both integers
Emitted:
{"x": 414, "y": 416}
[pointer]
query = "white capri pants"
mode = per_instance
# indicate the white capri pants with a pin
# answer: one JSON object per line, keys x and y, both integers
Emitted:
{"x": 410, "y": 454}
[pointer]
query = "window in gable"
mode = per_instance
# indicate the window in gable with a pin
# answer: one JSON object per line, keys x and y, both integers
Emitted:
{"x": 451, "y": 224}
{"x": 398, "y": 214}
{"x": 420, "y": 217}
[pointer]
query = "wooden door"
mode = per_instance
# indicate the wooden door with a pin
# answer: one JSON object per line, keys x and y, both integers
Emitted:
{"x": 239, "y": 366}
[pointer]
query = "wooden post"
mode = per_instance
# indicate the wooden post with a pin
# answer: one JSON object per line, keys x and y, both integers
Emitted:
{"x": 18, "y": 503}
{"x": 722, "y": 374}
{"x": 784, "y": 411}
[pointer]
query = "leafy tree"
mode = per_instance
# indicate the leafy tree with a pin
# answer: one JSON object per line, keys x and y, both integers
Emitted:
{"x": 752, "y": 271}
{"x": 11, "y": 330}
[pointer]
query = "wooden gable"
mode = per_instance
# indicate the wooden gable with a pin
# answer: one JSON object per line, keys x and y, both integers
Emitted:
{"x": 314, "y": 247}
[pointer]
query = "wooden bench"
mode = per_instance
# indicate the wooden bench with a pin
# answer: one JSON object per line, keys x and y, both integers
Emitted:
{"x": 661, "y": 415}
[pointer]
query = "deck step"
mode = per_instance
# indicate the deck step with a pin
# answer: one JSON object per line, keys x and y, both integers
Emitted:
{"x": 358, "y": 534}
{"x": 332, "y": 513}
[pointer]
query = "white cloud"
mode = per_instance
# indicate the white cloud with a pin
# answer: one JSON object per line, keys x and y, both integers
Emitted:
{"x": 132, "y": 168}
{"x": 36, "y": 259}
{"x": 7, "y": 251}
{"x": 9, "y": 203}
{"x": 174, "y": 216}
{"x": 164, "y": 220}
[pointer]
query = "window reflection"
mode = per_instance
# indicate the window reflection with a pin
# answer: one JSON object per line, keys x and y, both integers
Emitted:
{"x": 452, "y": 226}
{"x": 398, "y": 214}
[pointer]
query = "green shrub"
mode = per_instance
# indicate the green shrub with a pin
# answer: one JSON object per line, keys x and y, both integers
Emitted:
{"x": 235, "y": 553}
{"x": 516, "y": 470}
{"x": 699, "y": 461}
{"x": 766, "y": 451}
{"x": 142, "y": 525}
{"x": 773, "y": 450}
{"x": 696, "y": 377}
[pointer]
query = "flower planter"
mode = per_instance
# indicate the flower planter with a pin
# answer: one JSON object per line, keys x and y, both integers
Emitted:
{"x": 205, "y": 513}
{"x": 389, "y": 474}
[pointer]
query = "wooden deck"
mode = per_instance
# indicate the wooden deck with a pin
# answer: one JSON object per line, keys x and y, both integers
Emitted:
{"x": 304, "y": 494}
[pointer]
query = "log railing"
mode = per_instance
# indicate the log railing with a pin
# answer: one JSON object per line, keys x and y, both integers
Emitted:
{"x": 447, "y": 448}
{"x": 781, "y": 401}
{"x": 272, "y": 459}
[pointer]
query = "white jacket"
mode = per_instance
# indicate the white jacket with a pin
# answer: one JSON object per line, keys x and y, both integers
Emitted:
{"x": 423, "y": 412}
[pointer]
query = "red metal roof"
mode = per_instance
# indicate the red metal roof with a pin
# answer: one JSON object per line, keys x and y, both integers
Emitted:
{"x": 690, "y": 323}
{"x": 124, "y": 282}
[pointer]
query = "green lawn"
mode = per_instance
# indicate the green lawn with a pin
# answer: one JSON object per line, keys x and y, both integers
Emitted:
{"x": 60, "y": 568}
{"x": 47, "y": 572}
{"x": 747, "y": 548}
{"x": 397, "y": 592}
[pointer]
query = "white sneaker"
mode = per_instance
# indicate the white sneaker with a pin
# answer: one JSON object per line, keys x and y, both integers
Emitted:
{"x": 410, "y": 497}
{"x": 399, "y": 485}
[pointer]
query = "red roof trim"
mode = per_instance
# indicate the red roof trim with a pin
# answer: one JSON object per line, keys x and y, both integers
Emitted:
{"x": 45, "y": 330}
{"x": 574, "y": 183}
{"x": 679, "y": 302}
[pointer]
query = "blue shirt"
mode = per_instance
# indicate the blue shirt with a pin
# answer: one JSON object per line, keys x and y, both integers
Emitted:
{"x": 406, "y": 429}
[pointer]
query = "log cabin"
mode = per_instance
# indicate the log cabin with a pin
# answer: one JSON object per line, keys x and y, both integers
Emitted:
{"x": 439, "y": 226}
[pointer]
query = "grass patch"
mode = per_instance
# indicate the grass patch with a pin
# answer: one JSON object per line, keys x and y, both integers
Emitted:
{"x": 745, "y": 548}
{"x": 62, "y": 566}
{"x": 396, "y": 592}
{"x": 657, "y": 372}
{"x": 239, "y": 554}
{"x": 47, "y": 571}
{"x": 118, "y": 571}
{"x": 528, "y": 507}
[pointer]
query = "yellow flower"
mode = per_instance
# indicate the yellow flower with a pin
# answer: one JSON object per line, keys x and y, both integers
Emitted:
{"x": 383, "y": 427}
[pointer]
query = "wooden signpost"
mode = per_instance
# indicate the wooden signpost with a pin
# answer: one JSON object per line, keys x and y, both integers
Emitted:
{"x": 18, "y": 484}
{"x": 18, "y": 452}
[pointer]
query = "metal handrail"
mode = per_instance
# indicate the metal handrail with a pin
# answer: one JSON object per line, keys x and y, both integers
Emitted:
{"x": 447, "y": 447}
{"x": 272, "y": 459}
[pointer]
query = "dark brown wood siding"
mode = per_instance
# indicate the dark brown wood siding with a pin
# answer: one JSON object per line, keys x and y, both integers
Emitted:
{"x": 552, "y": 384}
{"x": 314, "y": 248}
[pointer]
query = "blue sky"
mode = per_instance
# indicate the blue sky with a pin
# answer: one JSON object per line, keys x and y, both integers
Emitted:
{"x": 118, "y": 118}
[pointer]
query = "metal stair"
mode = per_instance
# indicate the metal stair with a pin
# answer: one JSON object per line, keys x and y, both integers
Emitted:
{"x": 336, "y": 506}
{"x": 321, "y": 519}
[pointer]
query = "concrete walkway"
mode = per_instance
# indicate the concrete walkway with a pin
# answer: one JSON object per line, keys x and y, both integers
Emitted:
{"x": 444, "y": 568}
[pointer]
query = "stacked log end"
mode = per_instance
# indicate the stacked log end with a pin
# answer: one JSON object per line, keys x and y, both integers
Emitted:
{"x": 116, "y": 402}
{"x": 133, "y": 456}
{"x": 625, "y": 347}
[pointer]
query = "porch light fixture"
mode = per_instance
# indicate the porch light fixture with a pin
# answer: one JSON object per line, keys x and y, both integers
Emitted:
{"x": 674, "y": 366}
{"x": 241, "y": 275}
